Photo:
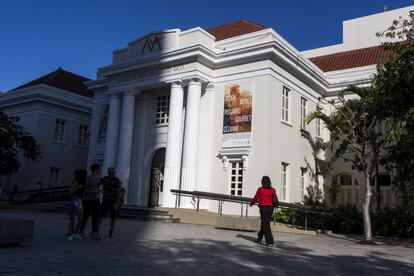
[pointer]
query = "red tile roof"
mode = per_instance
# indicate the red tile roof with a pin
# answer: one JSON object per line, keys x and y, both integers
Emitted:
{"x": 236, "y": 28}
{"x": 64, "y": 80}
{"x": 351, "y": 59}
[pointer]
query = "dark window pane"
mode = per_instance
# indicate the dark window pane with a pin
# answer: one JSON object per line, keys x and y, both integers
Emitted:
{"x": 384, "y": 180}
{"x": 346, "y": 180}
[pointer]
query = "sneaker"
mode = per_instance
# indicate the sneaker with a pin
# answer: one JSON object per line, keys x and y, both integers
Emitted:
{"x": 78, "y": 237}
{"x": 259, "y": 241}
{"x": 70, "y": 237}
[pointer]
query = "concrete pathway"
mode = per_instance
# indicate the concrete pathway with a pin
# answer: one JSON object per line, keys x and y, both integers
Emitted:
{"x": 145, "y": 248}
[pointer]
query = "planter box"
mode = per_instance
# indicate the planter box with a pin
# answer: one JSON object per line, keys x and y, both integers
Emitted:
{"x": 238, "y": 223}
{"x": 16, "y": 231}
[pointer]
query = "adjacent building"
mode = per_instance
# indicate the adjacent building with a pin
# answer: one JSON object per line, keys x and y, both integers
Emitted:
{"x": 56, "y": 109}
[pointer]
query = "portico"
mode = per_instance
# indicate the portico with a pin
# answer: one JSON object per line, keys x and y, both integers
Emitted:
{"x": 181, "y": 137}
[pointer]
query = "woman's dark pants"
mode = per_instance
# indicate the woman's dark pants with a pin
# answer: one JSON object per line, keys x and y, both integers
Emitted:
{"x": 266, "y": 213}
{"x": 91, "y": 207}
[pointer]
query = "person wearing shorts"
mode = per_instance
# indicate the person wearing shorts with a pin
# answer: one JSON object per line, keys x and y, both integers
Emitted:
{"x": 75, "y": 205}
{"x": 111, "y": 186}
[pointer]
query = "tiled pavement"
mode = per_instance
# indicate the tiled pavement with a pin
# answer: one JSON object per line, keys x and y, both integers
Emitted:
{"x": 146, "y": 248}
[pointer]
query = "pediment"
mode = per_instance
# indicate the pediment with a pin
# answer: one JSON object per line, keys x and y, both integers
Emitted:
{"x": 153, "y": 43}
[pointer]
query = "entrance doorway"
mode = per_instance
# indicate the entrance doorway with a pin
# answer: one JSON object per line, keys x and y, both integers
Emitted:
{"x": 157, "y": 178}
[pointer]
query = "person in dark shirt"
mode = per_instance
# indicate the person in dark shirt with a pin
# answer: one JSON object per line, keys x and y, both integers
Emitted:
{"x": 266, "y": 195}
{"x": 91, "y": 203}
{"x": 75, "y": 205}
{"x": 111, "y": 186}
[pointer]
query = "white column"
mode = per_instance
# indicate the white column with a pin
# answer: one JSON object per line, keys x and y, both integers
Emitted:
{"x": 173, "y": 151}
{"x": 207, "y": 134}
{"x": 112, "y": 133}
{"x": 191, "y": 133}
{"x": 125, "y": 140}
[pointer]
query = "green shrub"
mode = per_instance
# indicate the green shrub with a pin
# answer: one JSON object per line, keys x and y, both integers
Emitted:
{"x": 347, "y": 219}
{"x": 394, "y": 222}
{"x": 283, "y": 216}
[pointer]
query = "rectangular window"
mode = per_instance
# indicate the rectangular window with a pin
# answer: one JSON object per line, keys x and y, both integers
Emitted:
{"x": 236, "y": 178}
{"x": 302, "y": 113}
{"x": 83, "y": 135}
{"x": 54, "y": 176}
{"x": 59, "y": 130}
{"x": 284, "y": 181}
{"x": 318, "y": 125}
{"x": 384, "y": 180}
{"x": 285, "y": 104}
{"x": 303, "y": 182}
{"x": 163, "y": 109}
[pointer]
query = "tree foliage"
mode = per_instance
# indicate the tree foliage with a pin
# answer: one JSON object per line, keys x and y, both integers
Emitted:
{"x": 394, "y": 101}
{"x": 355, "y": 137}
{"x": 13, "y": 141}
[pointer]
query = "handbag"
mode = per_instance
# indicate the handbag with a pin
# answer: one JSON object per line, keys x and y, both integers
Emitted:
{"x": 275, "y": 200}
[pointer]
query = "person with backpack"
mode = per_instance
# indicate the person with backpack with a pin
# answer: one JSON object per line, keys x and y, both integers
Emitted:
{"x": 267, "y": 197}
{"x": 75, "y": 205}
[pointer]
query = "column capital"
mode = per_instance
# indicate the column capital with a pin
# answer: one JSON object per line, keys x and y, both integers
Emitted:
{"x": 120, "y": 92}
{"x": 175, "y": 82}
{"x": 209, "y": 86}
{"x": 195, "y": 79}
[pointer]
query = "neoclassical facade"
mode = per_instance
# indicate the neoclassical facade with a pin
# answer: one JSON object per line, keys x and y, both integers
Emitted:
{"x": 213, "y": 110}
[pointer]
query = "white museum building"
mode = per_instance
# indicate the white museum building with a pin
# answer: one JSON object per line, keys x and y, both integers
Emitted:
{"x": 214, "y": 110}
{"x": 56, "y": 109}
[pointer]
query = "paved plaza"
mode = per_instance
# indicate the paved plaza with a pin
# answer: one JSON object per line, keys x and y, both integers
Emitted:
{"x": 146, "y": 248}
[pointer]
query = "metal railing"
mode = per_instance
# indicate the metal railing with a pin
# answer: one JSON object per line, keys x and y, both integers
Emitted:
{"x": 244, "y": 203}
{"x": 38, "y": 195}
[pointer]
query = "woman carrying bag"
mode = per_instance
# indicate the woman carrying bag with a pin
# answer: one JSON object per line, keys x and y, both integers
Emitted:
{"x": 267, "y": 197}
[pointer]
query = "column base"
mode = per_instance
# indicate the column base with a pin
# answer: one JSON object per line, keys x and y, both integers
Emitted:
{"x": 188, "y": 183}
{"x": 123, "y": 176}
{"x": 171, "y": 181}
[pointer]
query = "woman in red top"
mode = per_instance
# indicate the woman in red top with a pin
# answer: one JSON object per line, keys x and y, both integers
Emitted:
{"x": 265, "y": 195}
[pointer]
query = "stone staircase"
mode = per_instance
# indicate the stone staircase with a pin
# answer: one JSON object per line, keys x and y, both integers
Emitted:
{"x": 131, "y": 212}
{"x": 147, "y": 214}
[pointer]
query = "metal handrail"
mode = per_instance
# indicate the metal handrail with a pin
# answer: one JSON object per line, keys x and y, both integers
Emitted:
{"x": 38, "y": 193}
{"x": 244, "y": 201}
{"x": 54, "y": 189}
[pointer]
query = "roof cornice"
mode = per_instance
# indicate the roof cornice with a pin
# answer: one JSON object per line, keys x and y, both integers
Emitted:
{"x": 276, "y": 49}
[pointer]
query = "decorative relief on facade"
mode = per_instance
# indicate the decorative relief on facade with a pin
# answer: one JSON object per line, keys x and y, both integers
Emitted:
{"x": 154, "y": 72}
{"x": 103, "y": 121}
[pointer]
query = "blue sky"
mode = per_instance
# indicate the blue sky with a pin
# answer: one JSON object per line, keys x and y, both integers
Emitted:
{"x": 37, "y": 37}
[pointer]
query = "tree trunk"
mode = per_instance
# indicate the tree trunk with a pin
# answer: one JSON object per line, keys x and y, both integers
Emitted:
{"x": 365, "y": 210}
{"x": 377, "y": 188}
